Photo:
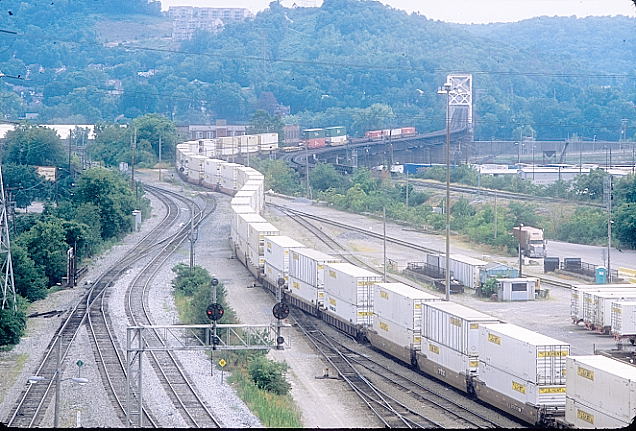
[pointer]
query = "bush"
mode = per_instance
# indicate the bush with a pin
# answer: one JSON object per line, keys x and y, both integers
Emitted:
{"x": 12, "y": 324}
{"x": 269, "y": 375}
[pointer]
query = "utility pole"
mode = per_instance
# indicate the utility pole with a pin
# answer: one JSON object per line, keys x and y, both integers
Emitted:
{"x": 495, "y": 215}
{"x": 407, "y": 189}
{"x": 159, "y": 156}
{"x": 6, "y": 265}
{"x": 70, "y": 140}
{"x": 307, "y": 168}
{"x": 610, "y": 191}
{"x": 446, "y": 89}
{"x": 384, "y": 241}
{"x": 134, "y": 150}
{"x": 193, "y": 235}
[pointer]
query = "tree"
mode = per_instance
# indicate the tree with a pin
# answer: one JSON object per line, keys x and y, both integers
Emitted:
{"x": 263, "y": 122}
{"x": 625, "y": 224}
{"x": 112, "y": 144}
{"x": 12, "y": 325}
{"x": 324, "y": 176}
{"x": 46, "y": 245}
{"x": 590, "y": 186}
{"x": 30, "y": 280}
{"x": 269, "y": 375}
{"x": 153, "y": 127}
{"x": 110, "y": 193}
{"x": 23, "y": 183}
{"x": 625, "y": 190}
{"x": 33, "y": 145}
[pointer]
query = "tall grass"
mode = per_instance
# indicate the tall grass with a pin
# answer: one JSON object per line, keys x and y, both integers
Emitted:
{"x": 274, "y": 411}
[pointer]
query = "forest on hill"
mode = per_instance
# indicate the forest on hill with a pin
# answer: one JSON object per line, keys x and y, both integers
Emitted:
{"x": 351, "y": 62}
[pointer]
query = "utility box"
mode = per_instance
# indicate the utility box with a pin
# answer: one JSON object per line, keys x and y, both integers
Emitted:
{"x": 517, "y": 289}
{"x": 601, "y": 275}
{"x": 137, "y": 216}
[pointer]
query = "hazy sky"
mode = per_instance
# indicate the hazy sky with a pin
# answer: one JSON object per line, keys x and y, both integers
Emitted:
{"x": 461, "y": 11}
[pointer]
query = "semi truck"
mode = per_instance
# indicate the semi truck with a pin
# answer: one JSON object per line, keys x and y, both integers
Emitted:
{"x": 530, "y": 240}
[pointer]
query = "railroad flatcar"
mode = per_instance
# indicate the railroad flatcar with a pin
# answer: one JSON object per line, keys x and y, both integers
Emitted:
{"x": 516, "y": 370}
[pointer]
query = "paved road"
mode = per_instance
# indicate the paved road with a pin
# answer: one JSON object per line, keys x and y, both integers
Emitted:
{"x": 592, "y": 254}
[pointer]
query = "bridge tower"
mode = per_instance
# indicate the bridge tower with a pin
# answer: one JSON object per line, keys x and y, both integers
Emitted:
{"x": 6, "y": 265}
{"x": 461, "y": 110}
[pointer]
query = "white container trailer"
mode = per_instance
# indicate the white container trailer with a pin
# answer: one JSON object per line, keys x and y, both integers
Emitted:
{"x": 400, "y": 303}
{"x": 576, "y": 296}
{"x": 228, "y": 177}
{"x": 196, "y": 170}
{"x": 277, "y": 250}
{"x": 308, "y": 265}
{"x": 307, "y": 292}
{"x": 253, "y": 197}
{"x": 517, "y": 289}
{"x": 523, "y": 353}
{"x": 212, "y": 175}
{"x": 604, "y": 384}
{"x": 243, "y": 200}
{"x": 350, "y": 283}
{"x": 593, "y": 303}
{"x": 353, "y": 313}
{"x": 454, "y": 326}
{"x": 580, "y": 416}
{"x": 526, "y": 392}
{"x": 267, "y": 141}
{"x": 256, "y": 186}
{"x": 243, "y": 222}
{"x": 245, "y": 174}
{"x": 396, "y": 333}
{"x": 256, "y": 241}
{"x": 465, "y": 269}
{"x": 603, "y": 315}
{"x": 623, "y": 318}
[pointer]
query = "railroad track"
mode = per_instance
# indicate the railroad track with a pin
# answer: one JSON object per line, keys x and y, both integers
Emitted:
{"x": 168, "y": 368}
{"x": 34, "y": 399}
{"x": 390, "y": 411}
{"x": 498, "y": 193}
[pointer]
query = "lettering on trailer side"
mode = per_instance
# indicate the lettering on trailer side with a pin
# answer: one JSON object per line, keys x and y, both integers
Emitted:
{"x": 365, "y": 313}
{"x": 384, "y": 294}
{"x": 433, "y": 348}
{"x": 474, "y": 326}
{"x": 320, "y": 267}
{"x": 332, "y": 301}
{"x": 494, "y": 339}
{"x": 518, "y": 387}
{"x": 294, "y": 256}
{"x": 585, "y": 373}
{"x": 585, "y": 416}
{"x": 552, "y": 354}
{"x": 552, "y": 390}
{"x": 616, "y": 310}
{"x": 418, "y": 306}
{"x": 384, "y": 326}
{"x": 295, "y": 285}
{"x": 332, "y": 274}
{"x": 455, "y": 321}
{"x": 473, "y": 364}
{"x": 514, "y": 407}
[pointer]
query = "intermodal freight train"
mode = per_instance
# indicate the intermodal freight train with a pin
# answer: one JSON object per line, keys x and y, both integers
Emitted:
{"x": 524, "y": 373}
{"x": 336, "y": 136}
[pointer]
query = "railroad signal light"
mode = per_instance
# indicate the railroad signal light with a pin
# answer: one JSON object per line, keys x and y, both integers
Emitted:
{"x": 215, "y": 340}
{"x": 280, "y": 310}
{"x": 214, "y": 282}
{"x": 214, "y": 311}
{"x": 281, "y": 282}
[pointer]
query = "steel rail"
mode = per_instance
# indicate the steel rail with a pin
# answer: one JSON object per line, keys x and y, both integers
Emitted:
{"x": 27, "y": 411}
{"x": 171, "y": 374}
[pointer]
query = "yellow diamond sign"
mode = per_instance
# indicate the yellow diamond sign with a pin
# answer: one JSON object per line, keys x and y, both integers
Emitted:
{"x": 222, "y": 362}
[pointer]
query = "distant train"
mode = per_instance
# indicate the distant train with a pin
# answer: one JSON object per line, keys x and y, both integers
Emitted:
{"x": 336, "y": 136}
{"x": 517, "y": 370}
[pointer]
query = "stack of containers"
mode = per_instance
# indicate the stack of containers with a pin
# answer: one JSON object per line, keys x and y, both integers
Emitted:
{"x": 228, "y": 177}
{"x": 306, "y": 274}
{"x": 601, "y": 392}
{"x": 256, "y": 242}
{"x": 349, "y": 292}
{"x": 236, "y": 210}
{"x": 252, "y": 196}
{"x": 598, "y": 313}
{"x": 524, "y": 366}
{"x": 464, "y": 269}
{"x": 277, "y": 250}
{"x": 577, "y": 304}
{"x": 243, "y": 222}
{"x": 267, "y": 141}
{"x": 623, "y": 319}
{"x": 227, "y": 146}
{"x": 397, "y": 318}
{"x": 243, "y": 200}
{"x": 245, "y": 174}
{"x": 256, "y": 186}
{"x": 196, "y": 170}
{"x": 450, "y": 341}
{"x": 211, "y": 175}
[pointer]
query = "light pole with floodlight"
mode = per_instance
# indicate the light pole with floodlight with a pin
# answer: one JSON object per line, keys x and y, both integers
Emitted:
{"x": 446, "y": 89}
{"x": 58, "y": 381}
